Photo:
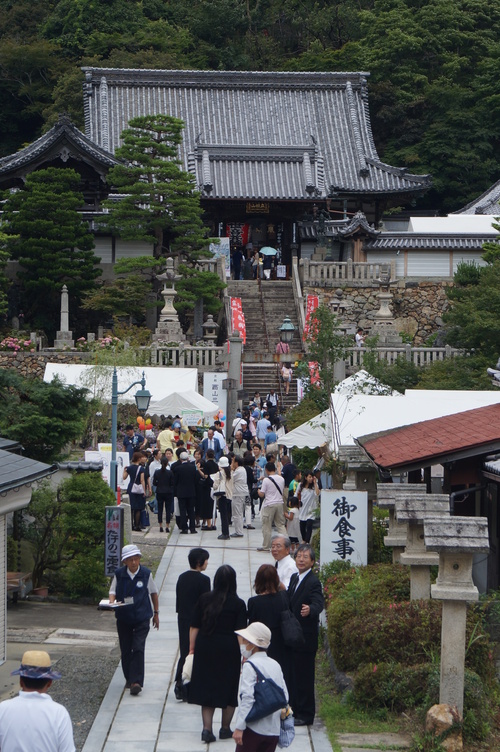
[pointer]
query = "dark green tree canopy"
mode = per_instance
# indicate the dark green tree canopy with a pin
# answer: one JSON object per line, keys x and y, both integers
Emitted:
{"x": 51, "y": 242}
{"x": 161, "y": 205}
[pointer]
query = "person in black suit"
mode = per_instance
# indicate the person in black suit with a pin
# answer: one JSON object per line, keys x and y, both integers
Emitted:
{"x": 185, "y": 480}
{"x": 211, "y": 443}
{"x": 306, "y": 602}
{"x": 190, "y": 586}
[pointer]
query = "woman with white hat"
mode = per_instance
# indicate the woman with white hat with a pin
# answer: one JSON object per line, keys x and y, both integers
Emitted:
{"x": 259, "y": 735}
{"x": 222, "y": 490}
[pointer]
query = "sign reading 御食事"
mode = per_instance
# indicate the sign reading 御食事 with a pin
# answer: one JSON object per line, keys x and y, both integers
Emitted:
{"x": 344, "y": 526}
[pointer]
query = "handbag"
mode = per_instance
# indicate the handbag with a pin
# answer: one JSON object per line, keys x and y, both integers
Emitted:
{"x": 137, "y": 489}
{"x": 268, "y": 697}
{"x": 291, "y": 631}
{"x": 287, "y": 729}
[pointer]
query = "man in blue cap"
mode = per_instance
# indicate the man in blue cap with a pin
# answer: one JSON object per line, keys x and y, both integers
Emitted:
{"x": 32, "y": 720}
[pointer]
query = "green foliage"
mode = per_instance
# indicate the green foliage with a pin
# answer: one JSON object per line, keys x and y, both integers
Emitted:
{"x": 394, "y": 686}
{"x": 306, "y": 409}
{"x": 85, "y": 578}
{"x": 463, "y": 372}
{"x": 378, "y": 553}
{"x": 467, "y": 273}
{"x": 68, "y": 524}
{"x": 4, "y": 284}
{"x": 44, "y": 417}
{"x": 326, "y": 345}
{"x": 198, "y": 285}
{"x": 52, "y": 244}
{"x": 161, "y": 205}
{"x": 492, "y": 248}
{"x": 400, "y": 375}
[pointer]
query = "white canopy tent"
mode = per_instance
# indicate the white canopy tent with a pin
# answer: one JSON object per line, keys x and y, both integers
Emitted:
{"x": 311, "y": 434}
{"x": 160, "y": 381}
{"x": 175, "y": 403}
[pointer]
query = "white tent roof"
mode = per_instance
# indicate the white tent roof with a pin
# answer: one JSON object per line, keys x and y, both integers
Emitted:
{"x": 160, "y": 381}
{"x": 453, "y": 224}
{"x": 362, "y": 414}
{"x": 176, "y": 402}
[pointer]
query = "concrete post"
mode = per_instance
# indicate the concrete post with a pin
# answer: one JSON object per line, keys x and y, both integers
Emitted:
{"x": 456, "y": 539}
{"x": 232, "y": 384}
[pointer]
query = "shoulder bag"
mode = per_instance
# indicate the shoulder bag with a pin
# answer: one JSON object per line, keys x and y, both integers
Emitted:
{"x": 291, "y": 631}
{"x": 137, "y": 487}
{"x": 268, "y": 697}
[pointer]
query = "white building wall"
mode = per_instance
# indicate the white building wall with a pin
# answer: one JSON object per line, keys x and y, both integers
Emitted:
{"x": 467, "y": 258}
{"x": 428, "y": 264}
{"x": 385, "y": 257}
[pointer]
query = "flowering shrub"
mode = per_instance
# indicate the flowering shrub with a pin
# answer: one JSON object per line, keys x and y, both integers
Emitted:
{"x": 14, "y": 344}
{"x": 106, "y": 343}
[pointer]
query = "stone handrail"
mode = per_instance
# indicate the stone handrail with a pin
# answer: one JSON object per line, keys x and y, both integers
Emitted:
{"x": 326, "y": 273}
{"x": 420, "y": 356}
{"x": 186, "y": 356}
{"x": 215, "y": 265}
{"x": 298, "y": 297}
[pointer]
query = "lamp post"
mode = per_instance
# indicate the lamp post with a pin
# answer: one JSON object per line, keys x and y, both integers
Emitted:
{"x": 142, "y": 400}
{"x": 287, "y": 330}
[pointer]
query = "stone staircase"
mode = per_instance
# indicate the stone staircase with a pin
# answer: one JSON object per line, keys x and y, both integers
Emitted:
{"x": 265, "y": 305}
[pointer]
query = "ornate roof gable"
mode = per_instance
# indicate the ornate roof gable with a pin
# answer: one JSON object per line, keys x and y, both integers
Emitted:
{"x": 487, "y": 203}
{"x": 254, "y": 135}
{"x": 63, "y": 141}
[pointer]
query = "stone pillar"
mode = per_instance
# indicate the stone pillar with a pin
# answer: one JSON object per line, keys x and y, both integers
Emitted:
{"x": 64, "y": 338}
{"x": 387, "y": 493}
{"x": 413, "y": 510}
{"x": 456, "y": 539}
{"x": 232, "y": 383}
{"x": 168, "y": 328}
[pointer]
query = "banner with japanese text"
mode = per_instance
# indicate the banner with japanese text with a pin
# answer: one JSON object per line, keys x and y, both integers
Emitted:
{"x": 344, "y": 526}
{"x": 312, "y": 302}
{"x": 238, "y": 319}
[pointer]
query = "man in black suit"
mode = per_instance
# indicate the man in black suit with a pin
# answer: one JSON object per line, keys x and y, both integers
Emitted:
{"x": 190, "y": 586}
{"x": 306, "y": 602}
{"x": 211, "y": 443}
{"x": 185, "y": 480}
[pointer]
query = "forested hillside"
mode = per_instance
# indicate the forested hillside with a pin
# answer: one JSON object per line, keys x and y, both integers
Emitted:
{"x": 435, "y": 66}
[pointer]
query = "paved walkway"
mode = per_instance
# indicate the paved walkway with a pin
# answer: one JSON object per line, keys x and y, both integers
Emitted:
{"x": 155, "y": 721}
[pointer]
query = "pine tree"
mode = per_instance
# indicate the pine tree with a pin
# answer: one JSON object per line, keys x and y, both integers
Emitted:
{"x": 160, "y": 205}
{"x": 52, "y": 244}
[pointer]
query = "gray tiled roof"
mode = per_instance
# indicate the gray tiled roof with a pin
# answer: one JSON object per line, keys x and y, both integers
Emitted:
{"x": 63, "y": 140}
{"x": 16, "y": 470}
{"x": 254, "y": 135}
{"x": 487, "y": 203}
{"x": 408, "y": 240}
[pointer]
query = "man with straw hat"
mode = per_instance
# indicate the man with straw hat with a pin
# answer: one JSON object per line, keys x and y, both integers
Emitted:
{"x": 32, "y": 720}
{"x": 136, "y": 597}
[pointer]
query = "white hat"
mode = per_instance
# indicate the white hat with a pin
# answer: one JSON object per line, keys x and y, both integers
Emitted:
{"x": 223, "y": 462}
{"x": 256, "y": 633}
{"x": 130, "y": 550}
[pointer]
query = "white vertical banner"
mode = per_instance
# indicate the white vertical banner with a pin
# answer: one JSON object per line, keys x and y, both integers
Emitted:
{"x": 223, "y": 248}
{"x": 213, "y": 391}
{"x": 344, "y": 526}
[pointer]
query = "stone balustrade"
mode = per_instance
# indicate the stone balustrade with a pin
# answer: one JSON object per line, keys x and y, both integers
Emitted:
{"x": 419, "y": 356}
{"x": 328, "y": 273}
{"x": 413, "y": 510}
{"x": 455, "y": 540}
{"x": 186, "y": 356}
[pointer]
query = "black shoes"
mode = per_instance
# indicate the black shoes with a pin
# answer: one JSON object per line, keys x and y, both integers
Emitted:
{"x": 223, "y": 537}
{"x": 225, "y": 733}
{"x": 301, "y": 722}
{"x": 178, "y": 692}
{"x": 184, "y": 532}
{"x": 135, "y": 689}
{"x": 207, "y": 736}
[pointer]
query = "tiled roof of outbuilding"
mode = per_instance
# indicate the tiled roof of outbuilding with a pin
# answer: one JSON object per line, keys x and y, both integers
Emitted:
{"x": 16, "y": 470}
{"x": 254, "y": 135}
{"x": 407, "y": 240}
{"x": 467, "y": 433}
{"x": 487, "y": 203}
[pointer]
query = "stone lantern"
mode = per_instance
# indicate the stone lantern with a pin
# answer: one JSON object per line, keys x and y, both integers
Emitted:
{"x": 455, "y": 540}
{"x": 210, "y": 329}
{"x": 168, "y": 328}
{"x": 387, "y": 495}
{"x": 413, "y": 510}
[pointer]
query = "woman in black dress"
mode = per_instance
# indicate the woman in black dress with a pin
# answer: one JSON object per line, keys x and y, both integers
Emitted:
{"x": 204, "y": 489}
{"x": 217, "y": 658}
{"x": 266, "y": 607}
{"x": 135, "y": 474}
{"x": 163, "y": 480}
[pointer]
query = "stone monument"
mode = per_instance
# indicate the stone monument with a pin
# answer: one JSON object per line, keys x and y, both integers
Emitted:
{"x": 168, "y": 328}
{"x": 64, "y": 338}
{"x": 387, "y": 495}
{"x": 383, "y": 321}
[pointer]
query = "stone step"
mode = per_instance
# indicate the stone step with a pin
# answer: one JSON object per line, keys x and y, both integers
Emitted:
{"x": 372, "y": 742}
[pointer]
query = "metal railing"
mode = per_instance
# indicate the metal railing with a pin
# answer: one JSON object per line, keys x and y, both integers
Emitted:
{"x": 325, "y": 273}
{"x": 419, "y": 356}
{"x": 298, "y": 297}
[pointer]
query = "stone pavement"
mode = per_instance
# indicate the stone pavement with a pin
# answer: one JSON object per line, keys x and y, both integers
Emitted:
{"x": 155, "y": 721}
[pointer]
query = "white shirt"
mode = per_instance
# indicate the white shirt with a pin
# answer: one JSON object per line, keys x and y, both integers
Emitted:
{"x": 222, "y": 441}
{"x": 32, "y": 721}
{"x": 286, "y": 567}
{"x": 273, "y": 495}
{"x": 240, "y": 485}
{"x": 270, "y": 724}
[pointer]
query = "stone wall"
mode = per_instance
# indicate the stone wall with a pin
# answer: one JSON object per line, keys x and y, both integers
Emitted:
{"x": 418, "y": 306}
{"x": 32, "y": 365}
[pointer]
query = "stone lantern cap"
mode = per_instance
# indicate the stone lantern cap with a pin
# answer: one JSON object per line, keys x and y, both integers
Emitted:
{"x": 415, "y": 509}
{"x": 456, "y": 539}
{"x": 457, "y": 535}
{"x": 389, "y": 493}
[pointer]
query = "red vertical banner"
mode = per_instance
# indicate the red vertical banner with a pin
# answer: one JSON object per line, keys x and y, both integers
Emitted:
{"x": 238, "y": 319}
{"x": 312, "y": 302}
